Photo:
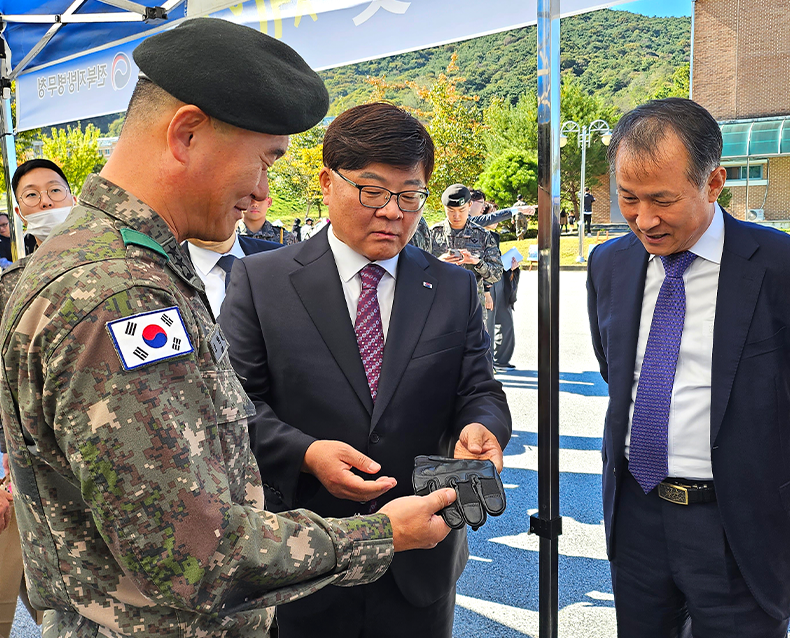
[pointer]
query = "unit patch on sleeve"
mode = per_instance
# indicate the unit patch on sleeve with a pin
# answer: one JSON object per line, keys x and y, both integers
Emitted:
{"x": 149, "y": 337}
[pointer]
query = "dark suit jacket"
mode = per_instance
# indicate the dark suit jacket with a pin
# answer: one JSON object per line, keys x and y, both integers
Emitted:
{"x": 292, "y": 340}
{"x": 750, "y": 392}
{"x": 254, "y": 245}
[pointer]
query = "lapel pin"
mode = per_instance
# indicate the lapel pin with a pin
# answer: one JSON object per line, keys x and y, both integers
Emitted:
{"x": 427, "y": 284}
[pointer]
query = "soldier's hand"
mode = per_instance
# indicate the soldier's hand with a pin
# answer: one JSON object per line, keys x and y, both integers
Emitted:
{"x": 331, "y": 463}
{"x": 477, "y": 442}
{"x": 468, "y": 258}
{"x": 6, "y": 501}
{"x": 449, "y": 258}
{"x": 489, "y": 301}
{"x": 415, "y": 523}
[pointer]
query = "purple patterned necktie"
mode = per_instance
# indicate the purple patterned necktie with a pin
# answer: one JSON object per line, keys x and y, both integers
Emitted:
{"x": 648, "y": 453}
{"x": 370, "y": 335}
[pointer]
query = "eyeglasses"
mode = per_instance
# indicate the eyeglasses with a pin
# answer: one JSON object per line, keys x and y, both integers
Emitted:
{"x": 379, "y": 197}
{"x": 32, "y": 197}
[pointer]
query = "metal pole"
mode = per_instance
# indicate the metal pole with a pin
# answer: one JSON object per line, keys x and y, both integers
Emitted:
{"x": 8, "y": 148}
{"x": 548, "y": 523}
{"x": 584, "y": 137}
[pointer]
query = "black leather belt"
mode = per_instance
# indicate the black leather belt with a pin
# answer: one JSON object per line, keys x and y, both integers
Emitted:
{"x": 686, "y": 492}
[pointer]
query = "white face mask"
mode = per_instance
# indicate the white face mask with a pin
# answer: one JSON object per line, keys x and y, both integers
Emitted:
{"x": 40, "y": 225}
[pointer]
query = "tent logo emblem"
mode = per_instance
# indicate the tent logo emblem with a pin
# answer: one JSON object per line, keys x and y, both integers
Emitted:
{"x": 121, "y": 71}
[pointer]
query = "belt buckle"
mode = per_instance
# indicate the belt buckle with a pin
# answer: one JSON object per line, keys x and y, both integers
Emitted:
{"x": 673, "y": 493}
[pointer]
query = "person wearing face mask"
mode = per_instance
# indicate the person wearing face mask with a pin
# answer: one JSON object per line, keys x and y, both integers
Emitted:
{"x": 44, "y": 197}
{"x": 45, "y": 200}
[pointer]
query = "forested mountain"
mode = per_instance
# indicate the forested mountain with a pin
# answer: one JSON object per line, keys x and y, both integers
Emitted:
{"x": 619, "y": 56}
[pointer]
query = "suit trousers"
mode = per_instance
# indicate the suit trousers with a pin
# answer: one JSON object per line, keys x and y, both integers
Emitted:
{"x": 506, "y": 335}
{"x": 674, "y": 575}
{"x": 377, "y": 610}
{"x": 490, "y": 315}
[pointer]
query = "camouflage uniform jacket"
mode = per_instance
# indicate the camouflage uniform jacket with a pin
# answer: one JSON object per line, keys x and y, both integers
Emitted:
{"x": 139, "y": 502}
{"x": 8, "y": 280}
{"x": 478, "y": 241}
{"x": 422, "y": 236}
{"x": 269, "y": 233}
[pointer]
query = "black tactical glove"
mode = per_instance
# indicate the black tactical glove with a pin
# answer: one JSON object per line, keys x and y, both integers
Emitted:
{"x": 476, "y": 484}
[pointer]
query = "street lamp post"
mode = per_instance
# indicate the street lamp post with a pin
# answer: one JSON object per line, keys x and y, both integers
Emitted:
{"x": 584, "y": 136}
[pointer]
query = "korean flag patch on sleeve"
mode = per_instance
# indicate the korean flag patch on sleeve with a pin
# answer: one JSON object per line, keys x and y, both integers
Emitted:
{"x": 150, "y": 337}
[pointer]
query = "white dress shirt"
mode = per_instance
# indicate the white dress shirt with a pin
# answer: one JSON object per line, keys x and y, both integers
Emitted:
{"x": 213, "y": 276}
{"x": 689, "y": 413}
{"x": 349, "y": 263}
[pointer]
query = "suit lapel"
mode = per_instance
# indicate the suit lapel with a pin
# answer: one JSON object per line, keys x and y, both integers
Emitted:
{"x": 318, "y": 285}
{"x": 629, "y": 268}
{"x": 739, "y": 287}
{"x": 410, "y": 308}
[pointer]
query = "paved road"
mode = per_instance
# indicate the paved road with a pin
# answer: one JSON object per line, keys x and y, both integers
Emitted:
{"x": 498, "y": 592}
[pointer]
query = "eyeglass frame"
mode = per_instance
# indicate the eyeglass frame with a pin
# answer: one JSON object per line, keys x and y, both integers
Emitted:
{"x": 359, "y": 187}
{"x": 21, "y": 200}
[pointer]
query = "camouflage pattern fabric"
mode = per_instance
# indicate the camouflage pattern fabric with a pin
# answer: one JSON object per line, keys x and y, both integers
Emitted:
{"x": 139, "y": 502}
{"x": 8, "y": 280}
{"x": 422, "y": 236}
{"x": 270, "y": 233}
{"x": 478, "y": 241}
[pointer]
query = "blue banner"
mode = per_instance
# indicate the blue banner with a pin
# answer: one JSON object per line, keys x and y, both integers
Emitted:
{"x": 88, "y": 86}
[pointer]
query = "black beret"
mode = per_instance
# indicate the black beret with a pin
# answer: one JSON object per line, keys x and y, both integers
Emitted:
{"x": 456, "y": 195}
{"x": 235, "y": 74}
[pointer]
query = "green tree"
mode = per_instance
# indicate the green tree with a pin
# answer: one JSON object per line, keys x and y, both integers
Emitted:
{"x": 454, "y": 121}
{"x": 512, "y": 173}
{"x": 725, "y": 198}
{"x": 676, "y": 86}
{"x": 76, "y": 152}
{"x": 578, "y": 106}
{"x": 23, "y": 141}
{"x": 511, "y": 127}
{"x": 296, "y": 175}
{"x": 116, "y": 125}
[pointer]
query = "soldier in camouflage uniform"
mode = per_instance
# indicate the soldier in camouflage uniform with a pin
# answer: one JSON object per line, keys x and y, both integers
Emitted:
{"x": 478, "y": 250}
{"x": 422, "y": 236}
{"x": 140, "y": 506}
{"x": 266, "y": 230}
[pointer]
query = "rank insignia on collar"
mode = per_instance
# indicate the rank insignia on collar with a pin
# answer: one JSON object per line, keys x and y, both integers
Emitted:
{"x": 149, "y": 337}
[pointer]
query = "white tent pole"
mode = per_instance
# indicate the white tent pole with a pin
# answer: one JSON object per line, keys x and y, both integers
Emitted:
{"x": 548, "y": 523}
{"x": 8, "y": 148}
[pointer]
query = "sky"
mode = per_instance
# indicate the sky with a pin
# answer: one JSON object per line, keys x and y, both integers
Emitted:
{"x": 662, "y": 8}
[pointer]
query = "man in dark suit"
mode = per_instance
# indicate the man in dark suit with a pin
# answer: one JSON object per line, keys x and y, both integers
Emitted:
{"x": 689, "y": 316}
{"x": 213, "y": 261}
{"x": 340, "y": 415}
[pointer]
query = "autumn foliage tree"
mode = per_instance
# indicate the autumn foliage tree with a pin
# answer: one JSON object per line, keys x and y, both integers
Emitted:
{"x": 296, "y": 175}
{"x": 454, "y": 121}
{"x": 76, "y": 152}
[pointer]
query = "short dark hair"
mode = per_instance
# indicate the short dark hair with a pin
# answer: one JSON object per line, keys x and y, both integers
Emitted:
{"x": 644, "y": 128}
{"x": 24, "y": 168}
{"x": 377, "y": 133}
{"x": 477, "y": 195}
{"x": 147, "y": 101}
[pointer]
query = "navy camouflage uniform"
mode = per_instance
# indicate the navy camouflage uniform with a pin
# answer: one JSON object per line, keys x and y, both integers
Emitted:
{"x": 139, "y": 503}
{"x": 422, "y": 236}
{"x": 478, "y": 241}
{"x": 269, "y": 233}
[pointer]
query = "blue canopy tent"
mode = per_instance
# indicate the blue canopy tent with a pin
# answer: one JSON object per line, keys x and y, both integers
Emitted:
{"x": 72, "y": 59}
